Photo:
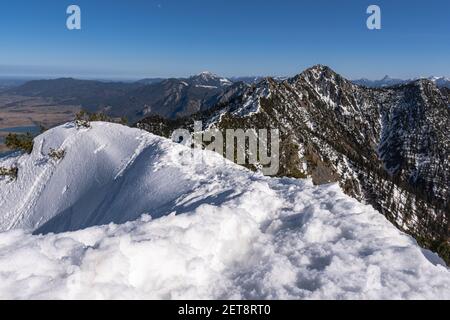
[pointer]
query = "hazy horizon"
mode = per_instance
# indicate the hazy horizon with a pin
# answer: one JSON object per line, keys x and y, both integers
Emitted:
{"x": 49, "y": 76}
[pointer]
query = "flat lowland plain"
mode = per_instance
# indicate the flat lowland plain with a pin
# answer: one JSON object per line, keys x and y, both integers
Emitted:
{"x": 20, "y": 111}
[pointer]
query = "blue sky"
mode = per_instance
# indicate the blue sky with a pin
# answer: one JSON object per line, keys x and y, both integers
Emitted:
{"x": 153, "y": 38}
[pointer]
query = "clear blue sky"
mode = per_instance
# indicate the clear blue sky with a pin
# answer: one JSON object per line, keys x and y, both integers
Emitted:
{"x": 151, "y": 38}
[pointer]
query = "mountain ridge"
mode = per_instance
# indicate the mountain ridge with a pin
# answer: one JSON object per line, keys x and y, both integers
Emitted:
{"x": 170, "y": 98}
{"x": 441, "y": 82}
{"x": 385, "y": 146}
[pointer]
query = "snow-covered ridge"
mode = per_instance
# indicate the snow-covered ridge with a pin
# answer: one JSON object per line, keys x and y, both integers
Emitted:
{"x": 110, "y": 173}
{"x": 196, "y": 229}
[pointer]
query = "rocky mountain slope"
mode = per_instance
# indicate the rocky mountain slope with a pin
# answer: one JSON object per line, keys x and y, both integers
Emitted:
{"x": 446, "y": 92}
{"x": 388, "y": 147}
{"x": 172, "y": 98}
{"x": 154, "y": 222}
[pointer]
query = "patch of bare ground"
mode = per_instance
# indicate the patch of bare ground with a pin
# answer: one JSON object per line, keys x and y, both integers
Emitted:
{"x": 18, "y": 111}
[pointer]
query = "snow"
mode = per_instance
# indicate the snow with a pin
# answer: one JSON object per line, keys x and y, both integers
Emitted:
{"x": 204, "y": 86}
{"x": 153, "y": 223}
{"x": 225, "y": 82}
{"x": 207, "y": 74}
{"x": 210, "y": 80}
{"x": 252, "y": 102}
{"x": 103, "y": 173}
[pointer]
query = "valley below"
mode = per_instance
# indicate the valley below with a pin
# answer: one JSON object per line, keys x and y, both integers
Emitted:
{"x": 21, "y": 114}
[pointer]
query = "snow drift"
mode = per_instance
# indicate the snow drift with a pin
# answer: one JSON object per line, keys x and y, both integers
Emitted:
{"x": 110, "y": 173}
{"x": 126, "y": 214}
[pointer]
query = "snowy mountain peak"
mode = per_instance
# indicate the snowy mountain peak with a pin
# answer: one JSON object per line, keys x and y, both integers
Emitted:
{"x": 208, "y": 79}
{"x": 442, "y": 82}
{"x": 322, "y": 78}
{"x": 424, "y": 83}
{"x": 320, "y": 73}
{"x": 320, "y": 70}
{"x": 207, "y": 75}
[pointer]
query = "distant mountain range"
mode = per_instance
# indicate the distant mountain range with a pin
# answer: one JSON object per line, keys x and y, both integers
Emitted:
{"x": 170, "y": 98}
{"x": 388, "y": 81}
{"x": 255, "y": 80}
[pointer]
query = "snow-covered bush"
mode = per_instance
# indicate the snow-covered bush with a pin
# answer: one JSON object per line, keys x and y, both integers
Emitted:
{"x": 82, "y": 124}
{"x": 81, "y": 120}
{"x": 57, "y": 154}
{"x": 9, "y": 172}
